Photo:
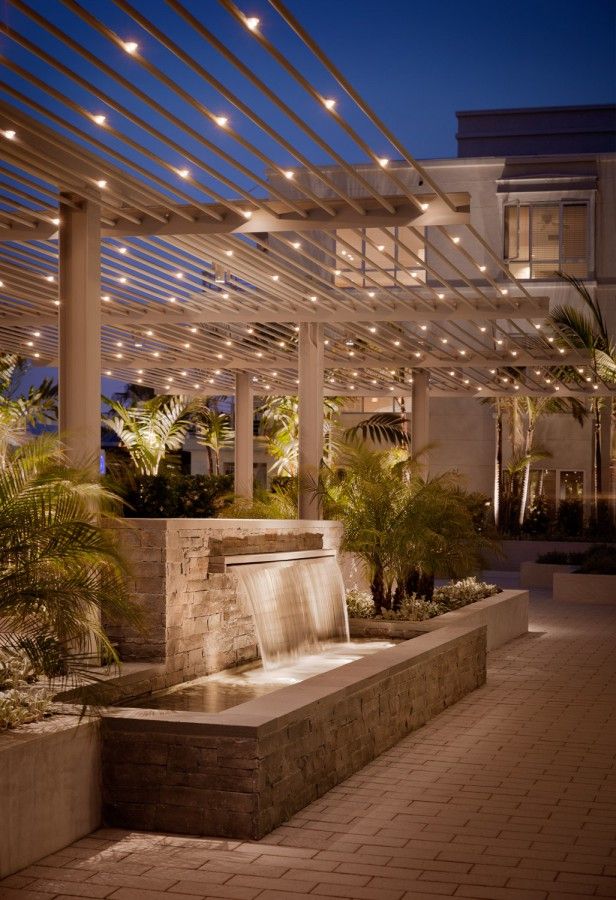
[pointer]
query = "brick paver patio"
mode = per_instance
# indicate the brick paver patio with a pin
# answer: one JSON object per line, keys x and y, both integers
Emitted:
{"x": 509, "y": 795}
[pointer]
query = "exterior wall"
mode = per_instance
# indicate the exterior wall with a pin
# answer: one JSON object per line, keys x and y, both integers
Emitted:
{"x": 241, "y": 773}
{"x": 540, "y": 575}
{"x": 462, "y": 438}
{"x": 50, "y": 788}
{"x": 195, "y": 621}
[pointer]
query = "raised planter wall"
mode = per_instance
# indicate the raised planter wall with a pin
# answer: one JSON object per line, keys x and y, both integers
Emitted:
{"x": 49, "y": 788}
{"x": 539, "y": 575}
{"x": 246, "y": 770}
{"x": 196, "y": 623}
{"x": 505, "y": 616}
{"x": 585, "y": 588}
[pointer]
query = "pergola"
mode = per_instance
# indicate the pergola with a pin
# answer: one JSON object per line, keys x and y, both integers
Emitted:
{"x": 170, "y": 218}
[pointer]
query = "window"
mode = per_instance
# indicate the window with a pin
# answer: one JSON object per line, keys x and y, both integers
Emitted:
{"x": 544, "y": 238}
{"x": 369, "y": 257}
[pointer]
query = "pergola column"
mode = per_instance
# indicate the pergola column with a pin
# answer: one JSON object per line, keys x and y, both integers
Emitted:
{"x": 244, "y": 415}
{"x": 420, "y": 416}
{"x": 310, "y": 417}
{"x": 79, "y": 368}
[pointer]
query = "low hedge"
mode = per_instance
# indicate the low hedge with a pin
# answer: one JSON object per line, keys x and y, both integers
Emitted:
{"x": 173, "y": 495}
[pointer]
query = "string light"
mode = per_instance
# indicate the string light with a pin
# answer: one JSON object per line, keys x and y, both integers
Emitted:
{"x": 99, "y": 119}
{"x": 425, "y": 206}
{"x": 296, "y": 245}
{"x": 329, "y": 103}
{"x": 184, "y": 173}
{"x": 383, "y": 162}
{"x": 289, "y": 174}
{"x": 130, "y": 47}
{"x": 221, "y": 121}
{"x": 9, "y": 134}
{"x": 55, "y": 221}
{"x": 456, "y": 239}
{"x": 102, "y": 184}
{"x": 252, "y": 23}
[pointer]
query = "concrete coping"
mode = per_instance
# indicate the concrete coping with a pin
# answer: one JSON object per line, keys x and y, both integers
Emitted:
{"x": 271, "y": 712}
{"x": 242, "y": 559}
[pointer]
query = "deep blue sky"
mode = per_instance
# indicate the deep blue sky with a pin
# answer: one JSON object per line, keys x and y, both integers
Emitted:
{"x": 415, "y": 63}
{"x": 420, "y": 62}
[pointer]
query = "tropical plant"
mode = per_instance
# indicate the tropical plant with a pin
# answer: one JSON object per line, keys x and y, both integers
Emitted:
{"x": 533, "y": 408}
{"x": 17, "y": 412}
{"x": 585, "y": 329}
{"x": 280, "y": 426}
{"x": 278, "y": 503}
{"x": 511, "y": 481}
{"x": 403, "y": 526}
{"x": 150, "y": 428}
{"x": 213, "y": 431}
{"x": 60, "y": 569}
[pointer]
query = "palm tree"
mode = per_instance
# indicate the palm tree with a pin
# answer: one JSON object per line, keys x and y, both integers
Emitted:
{"x": 404, "y": 527}
{"x": 59, "y": 568}
{"x": 534, "y": 408}
{"x": 586, "y": 330}
{"x": 17, "y": 412}
{"x": 150, "y": 428}
{"x": 280, "y": 426}
{"x": 213, "y": 431}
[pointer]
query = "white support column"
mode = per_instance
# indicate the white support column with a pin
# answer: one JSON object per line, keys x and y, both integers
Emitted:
{"x": 420, "y": 417}
{"x": 244, "y": 415}
{"x": 79, "y": 369}
{"x": 310, "y": 417}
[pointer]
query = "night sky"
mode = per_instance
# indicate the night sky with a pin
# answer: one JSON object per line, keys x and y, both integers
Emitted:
{"x": 415, "y": 63}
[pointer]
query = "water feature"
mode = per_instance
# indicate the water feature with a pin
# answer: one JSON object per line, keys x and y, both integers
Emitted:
{"x": 223, "y": 690}
{"x": 298, "y": 606}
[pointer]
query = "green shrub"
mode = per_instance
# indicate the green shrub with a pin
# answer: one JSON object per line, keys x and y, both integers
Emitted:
{"x": 173, "y": 495}
{"x": 19, "y": 707}
{"x": 570, "y": 518}
{"x": 416, "y": 609}
{"x": 460, "y": 593}
{"x": 561, "y": 558}
{"x": 599, "y": 560}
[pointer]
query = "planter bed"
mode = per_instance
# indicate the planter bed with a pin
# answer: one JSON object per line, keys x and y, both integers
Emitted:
{"x": 504, "y": 614}
{"x": 242, "y": 772}
{"x": 585, "y": 588}
{"x": 539, "y": 575}
{"x": 50, "y": 788}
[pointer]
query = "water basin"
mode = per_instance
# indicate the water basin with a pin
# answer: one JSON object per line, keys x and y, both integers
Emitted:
{"x": 215, "y": 693}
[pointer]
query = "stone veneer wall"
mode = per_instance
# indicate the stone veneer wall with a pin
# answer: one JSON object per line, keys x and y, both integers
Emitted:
{"x": 246, "y": 770}
{"x": 195, "y": 621}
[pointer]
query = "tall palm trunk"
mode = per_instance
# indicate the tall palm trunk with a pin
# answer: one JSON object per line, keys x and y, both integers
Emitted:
{"x": 528, "y": 446}
{"x": 498, "y": 463}
{"x": 597, "y": 480}
{"x": 210, "y": 460}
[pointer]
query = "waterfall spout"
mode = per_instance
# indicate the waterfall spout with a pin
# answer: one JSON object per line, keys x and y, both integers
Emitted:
{"x": 298, "y": 606}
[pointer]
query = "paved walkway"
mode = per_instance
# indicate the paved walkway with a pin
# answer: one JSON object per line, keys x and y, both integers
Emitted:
{"x": 509, "y": 795}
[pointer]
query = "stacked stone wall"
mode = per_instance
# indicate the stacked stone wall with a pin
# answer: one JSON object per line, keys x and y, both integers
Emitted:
{"x": 225, "y": 776}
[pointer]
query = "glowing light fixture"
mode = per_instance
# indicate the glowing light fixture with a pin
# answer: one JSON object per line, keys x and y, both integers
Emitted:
{"x": 130, "y": 47}
{"x": 9, "y": 134}
{"x": 221, "y": 121}
{"x": 329, "y": 103}
{"x": 99, "y": 119}
{"x": 251, "y": 22}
